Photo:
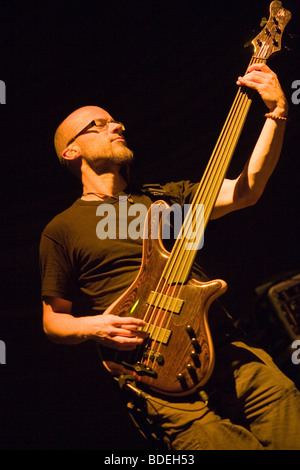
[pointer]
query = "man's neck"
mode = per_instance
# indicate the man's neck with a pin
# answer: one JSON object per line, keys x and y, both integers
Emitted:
{"x": 103, "y": 185}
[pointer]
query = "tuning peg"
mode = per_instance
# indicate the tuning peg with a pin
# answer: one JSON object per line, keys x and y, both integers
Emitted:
{"x": 248, "y": 43}
{"x": 263, "y": 22}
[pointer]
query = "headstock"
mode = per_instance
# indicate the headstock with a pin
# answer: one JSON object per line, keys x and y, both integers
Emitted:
{"x": 268, "y": 41}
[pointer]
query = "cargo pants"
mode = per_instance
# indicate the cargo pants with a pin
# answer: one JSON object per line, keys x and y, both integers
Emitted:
{"x": 250, "y": 405}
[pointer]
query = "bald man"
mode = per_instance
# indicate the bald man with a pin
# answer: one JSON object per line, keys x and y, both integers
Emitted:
{"x": 83, "y": 275}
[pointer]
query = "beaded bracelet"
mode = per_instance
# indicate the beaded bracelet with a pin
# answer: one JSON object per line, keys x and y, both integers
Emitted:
{"x": 275, "y": 118}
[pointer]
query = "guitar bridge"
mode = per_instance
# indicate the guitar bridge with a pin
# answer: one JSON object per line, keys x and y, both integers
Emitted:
{"x": 154, "y": 356}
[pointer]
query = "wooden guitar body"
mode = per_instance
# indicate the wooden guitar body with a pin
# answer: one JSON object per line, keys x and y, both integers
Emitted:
{"x": 178, "y": 356}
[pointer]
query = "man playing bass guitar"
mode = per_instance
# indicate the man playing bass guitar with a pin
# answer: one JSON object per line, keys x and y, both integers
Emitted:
{"x": 247, "y": 402}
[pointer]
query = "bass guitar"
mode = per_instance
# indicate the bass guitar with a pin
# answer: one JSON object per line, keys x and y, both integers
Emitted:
{"x": 177, "y": 358}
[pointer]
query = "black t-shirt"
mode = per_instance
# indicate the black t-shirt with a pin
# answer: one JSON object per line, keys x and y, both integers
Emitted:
{"x": 79, "y": 264}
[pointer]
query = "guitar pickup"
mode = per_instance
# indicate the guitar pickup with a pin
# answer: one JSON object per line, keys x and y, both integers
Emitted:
{"x": 166, "y": 302}
{"x": 157, "y": 333}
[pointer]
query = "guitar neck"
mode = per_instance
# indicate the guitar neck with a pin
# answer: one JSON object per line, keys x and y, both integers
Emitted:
{"x": 188, "y": 242}
{"x": 213, "y": 177}
{"x": 209, "y": 188}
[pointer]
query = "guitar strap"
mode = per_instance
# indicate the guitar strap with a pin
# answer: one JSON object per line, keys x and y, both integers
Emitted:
{"x": 156, "y": 191}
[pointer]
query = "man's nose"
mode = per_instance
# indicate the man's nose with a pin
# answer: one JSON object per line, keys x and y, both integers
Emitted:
{"x": 115, "y": 127}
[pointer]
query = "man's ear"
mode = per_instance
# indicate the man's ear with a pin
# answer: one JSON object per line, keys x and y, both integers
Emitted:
{"x": 70, "y": 154}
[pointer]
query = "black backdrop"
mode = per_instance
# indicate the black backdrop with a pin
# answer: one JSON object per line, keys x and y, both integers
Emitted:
{"x": 168, "y": 70}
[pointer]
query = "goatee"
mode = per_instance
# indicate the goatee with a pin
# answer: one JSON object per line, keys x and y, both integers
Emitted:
{"x": 120, "y": 155}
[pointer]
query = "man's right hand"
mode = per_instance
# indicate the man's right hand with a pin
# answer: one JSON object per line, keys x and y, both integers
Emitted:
{"x": 112, "y": 331}
{"x": 122, "y": 333}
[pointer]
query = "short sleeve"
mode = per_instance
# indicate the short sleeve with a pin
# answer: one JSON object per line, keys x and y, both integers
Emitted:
{"x": 57, "y": 272}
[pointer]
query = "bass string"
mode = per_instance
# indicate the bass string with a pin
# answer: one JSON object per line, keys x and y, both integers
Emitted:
{"x": 234, "y": 130}
{"x": 225, "y": 145}
{"x": 228, "y": 145}
{"x": 159, "y": 312}
{"x": 179, "y": 245}
{"x": 178, "y": 254}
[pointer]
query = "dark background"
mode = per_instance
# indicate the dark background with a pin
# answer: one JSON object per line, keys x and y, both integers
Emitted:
{"x": 167, "y": 70}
